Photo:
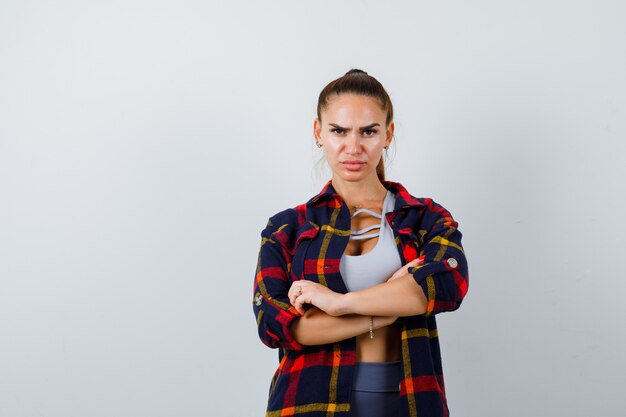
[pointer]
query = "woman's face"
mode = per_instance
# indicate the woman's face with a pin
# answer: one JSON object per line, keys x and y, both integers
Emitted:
{"x": 353, "y": 134}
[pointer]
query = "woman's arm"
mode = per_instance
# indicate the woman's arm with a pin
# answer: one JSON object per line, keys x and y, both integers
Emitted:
{"x": 316, "y": 327}
{"x": 272, "y": 309}
{"x": 399, "y": 296}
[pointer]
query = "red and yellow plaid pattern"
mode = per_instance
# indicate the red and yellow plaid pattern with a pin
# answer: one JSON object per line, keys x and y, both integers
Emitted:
{"x": 307, "y": 242}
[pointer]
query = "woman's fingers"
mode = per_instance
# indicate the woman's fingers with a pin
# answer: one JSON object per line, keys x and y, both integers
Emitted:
{"x": 299, "y": 303}
{"x": 291, "y": 294}
{"x": 300, "y": 298}
{"x": 296, "y": 295}
{"x": 404, "y": 270}
{"x": 307, "y": 292}
{"x": 413, "y": 263}
{"x": 295, "y": 291}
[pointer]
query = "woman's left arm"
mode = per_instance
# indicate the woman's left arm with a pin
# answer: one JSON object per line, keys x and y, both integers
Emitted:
{"x": 398, "y": 297}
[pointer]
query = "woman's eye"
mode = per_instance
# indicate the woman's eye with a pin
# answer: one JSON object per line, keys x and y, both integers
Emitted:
{"x": 369, "y": 132}
{"x": 337, "y": 131}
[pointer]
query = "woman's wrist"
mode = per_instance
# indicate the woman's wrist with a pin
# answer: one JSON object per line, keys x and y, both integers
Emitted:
{"x": 383, "y": 321}
{"x": 344, "y": 304}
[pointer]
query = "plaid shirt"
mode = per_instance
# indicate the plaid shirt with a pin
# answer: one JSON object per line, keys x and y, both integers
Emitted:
{"x": 307, "y": 242}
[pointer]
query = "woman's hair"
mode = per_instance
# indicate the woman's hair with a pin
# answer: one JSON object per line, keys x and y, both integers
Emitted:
{"x": 358, "y": 82}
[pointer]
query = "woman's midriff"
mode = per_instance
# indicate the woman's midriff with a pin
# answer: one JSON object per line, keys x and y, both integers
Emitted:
{"x": 384, "y": 347}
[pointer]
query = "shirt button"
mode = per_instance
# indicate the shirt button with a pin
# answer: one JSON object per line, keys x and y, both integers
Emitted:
{"x": 258, "y": 299}
{"x": 453, "y": 263}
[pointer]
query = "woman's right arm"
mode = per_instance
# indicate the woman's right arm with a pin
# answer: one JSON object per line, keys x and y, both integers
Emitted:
{"x": 280, "y": 325}
{"x": 274, "y": 313}
{"x": 316, "y": 327}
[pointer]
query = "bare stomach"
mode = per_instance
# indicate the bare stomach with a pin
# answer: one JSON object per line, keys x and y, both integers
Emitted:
{"x": 384, "y": 347}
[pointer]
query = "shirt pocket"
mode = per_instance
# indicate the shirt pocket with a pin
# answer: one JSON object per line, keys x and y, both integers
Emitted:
{"x": 306, "y": 237}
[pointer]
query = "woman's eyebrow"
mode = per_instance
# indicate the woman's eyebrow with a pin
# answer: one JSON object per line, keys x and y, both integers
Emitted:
{"x": 368, "y": 127}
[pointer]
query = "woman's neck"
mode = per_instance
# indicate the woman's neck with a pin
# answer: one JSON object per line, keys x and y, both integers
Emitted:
{"x": 360, "y": 194}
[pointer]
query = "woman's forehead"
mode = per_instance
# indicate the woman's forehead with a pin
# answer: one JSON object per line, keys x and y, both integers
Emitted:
{"x": 353, "y": 107}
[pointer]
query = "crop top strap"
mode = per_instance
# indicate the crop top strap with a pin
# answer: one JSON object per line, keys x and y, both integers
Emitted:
{"x": 362, "y": 234}
{"x": 364, "y": 210}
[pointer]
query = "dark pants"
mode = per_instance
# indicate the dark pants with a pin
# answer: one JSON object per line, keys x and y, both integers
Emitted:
{"x": 376, "y": 390}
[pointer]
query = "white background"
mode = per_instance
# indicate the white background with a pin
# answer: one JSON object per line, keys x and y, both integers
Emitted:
{"x": 144, "y": 144}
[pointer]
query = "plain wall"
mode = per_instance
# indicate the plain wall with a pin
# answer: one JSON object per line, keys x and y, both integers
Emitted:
{"x": 144, "y": 144}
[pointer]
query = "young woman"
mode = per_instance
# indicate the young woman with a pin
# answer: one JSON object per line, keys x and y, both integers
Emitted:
{"x": 347, "y": 285}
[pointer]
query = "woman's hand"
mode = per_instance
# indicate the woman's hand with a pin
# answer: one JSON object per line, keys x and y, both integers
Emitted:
{"x": 405, "y": 269}
{"x": 308, "y": 292}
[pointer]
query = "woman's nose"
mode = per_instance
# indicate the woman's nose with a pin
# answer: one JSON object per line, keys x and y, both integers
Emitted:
{"x": 353, "y": 145}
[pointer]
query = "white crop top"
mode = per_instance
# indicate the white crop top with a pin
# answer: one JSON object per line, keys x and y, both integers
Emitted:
{"x": 377, "y": 265}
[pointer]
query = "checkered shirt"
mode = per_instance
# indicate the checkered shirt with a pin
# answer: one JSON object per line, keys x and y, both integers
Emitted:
{"x": 307, "y": 242}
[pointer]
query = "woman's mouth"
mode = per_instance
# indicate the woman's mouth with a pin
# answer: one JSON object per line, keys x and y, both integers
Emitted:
{"x": 353, "y": 165}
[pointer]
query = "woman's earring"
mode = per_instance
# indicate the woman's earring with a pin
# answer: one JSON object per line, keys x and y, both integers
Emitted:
{"x": 319, "y": 145}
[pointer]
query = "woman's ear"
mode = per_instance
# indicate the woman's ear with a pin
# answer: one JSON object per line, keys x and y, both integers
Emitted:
{"x": 390, "y": 129}
{"x": 317, "y": 131}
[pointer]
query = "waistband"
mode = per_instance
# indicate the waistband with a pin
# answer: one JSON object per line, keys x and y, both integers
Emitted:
{"x": 377, "y": 376}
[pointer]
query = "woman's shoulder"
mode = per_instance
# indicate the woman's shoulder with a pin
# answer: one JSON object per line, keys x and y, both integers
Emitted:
{"x": 290, "y": 217}
{"x": 425, "y": 209}
{"x": 297, "y": 217}
{"x": 287, "y": 225}
{"x": 404, "y": 199}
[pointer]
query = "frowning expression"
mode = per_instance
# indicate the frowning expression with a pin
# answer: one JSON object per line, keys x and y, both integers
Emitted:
{"x": 353, "y": 133}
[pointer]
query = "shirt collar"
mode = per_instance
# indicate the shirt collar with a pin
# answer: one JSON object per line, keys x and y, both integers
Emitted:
{"x": 403, "y": 198}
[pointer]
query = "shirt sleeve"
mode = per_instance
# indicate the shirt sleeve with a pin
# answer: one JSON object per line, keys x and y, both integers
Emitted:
{"x": 274, "y": 314}
{"x": 443, "y": 274}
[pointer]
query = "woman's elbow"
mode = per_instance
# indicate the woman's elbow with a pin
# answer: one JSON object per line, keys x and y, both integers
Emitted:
{"x": 296, "y": 331}
{"x": 418, "y": 303}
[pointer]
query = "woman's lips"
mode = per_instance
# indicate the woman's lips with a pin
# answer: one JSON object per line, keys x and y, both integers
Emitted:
{"x": 353, "y": 165}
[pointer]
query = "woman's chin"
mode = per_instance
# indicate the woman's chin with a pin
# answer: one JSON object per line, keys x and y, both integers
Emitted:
{"x": 353, "y": 176}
